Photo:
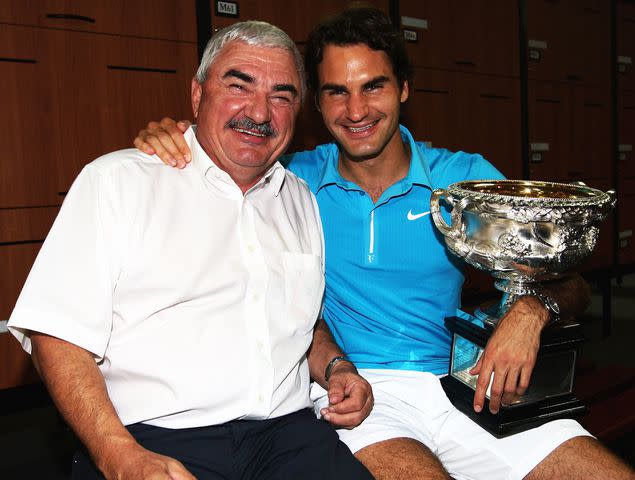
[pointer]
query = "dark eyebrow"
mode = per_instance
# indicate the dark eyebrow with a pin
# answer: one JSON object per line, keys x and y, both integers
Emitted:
{"x": 239, "y": 75}
{"x": 376, "y": 80}
{"x": 286, "y": 87}
{"x": 333, "y": 86}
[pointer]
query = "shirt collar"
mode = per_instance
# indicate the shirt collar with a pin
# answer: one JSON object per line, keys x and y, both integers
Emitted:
{"x": 212, "y": 173}
{"x": 418, "y": 173}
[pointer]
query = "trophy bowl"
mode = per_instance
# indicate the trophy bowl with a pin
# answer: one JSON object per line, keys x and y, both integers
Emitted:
{"x": 520, "y": 231}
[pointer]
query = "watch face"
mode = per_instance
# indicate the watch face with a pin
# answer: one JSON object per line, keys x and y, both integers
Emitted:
{"x": 552, "y": 305}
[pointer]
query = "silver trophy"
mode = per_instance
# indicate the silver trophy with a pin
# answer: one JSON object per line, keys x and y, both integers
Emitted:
{"x": 522, "y": 232}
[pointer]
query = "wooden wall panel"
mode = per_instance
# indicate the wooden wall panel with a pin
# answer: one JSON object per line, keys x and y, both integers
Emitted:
{"x": 626, "y": 225}
{"x": 124, "y": 82}
{"x": 626, "y": 133}
{"x": 549, "y": 131}
{"x": 626, "y": 43}
{"x": 165, "y": 19}
{"x": 23, "y": 224}
{"x": 591, "y": 150}
{"x": 475, "y": 36}
{"x": 297, "y": 18}
{"x": 569, "y": 40}
{"x": 27, "y": 147}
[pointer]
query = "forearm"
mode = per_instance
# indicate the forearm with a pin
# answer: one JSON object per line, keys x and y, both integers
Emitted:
{"x": 79, "y": 392}
{"x": 323, "y": 349}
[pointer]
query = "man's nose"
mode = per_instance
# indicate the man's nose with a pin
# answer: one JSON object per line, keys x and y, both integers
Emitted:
{"x": 356, "y": 107}
{"x": 259, "y": 109}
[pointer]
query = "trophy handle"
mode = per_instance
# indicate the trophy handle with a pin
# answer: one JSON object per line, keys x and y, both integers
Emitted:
{"x": 453, "y": 230}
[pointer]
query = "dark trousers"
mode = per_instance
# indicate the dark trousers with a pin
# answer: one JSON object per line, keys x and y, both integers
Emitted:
{"x": 295, "y": 446}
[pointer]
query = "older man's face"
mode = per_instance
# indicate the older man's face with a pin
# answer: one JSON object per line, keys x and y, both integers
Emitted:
{"x": 246, "y": 108}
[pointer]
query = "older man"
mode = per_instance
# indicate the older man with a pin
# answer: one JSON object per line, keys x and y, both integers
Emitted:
{"x": 170, "y": 312}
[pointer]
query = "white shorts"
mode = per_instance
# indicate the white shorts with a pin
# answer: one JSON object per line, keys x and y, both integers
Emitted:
{"x": 413, "y": 405}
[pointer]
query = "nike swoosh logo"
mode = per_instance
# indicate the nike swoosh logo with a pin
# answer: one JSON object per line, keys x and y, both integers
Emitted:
{"x": 412, "y": 216}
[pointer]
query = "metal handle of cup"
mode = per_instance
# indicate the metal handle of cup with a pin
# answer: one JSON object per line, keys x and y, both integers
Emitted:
{"x": 453, "y": 230}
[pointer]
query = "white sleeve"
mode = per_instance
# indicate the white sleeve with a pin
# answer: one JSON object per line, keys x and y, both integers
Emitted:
{"x": 68, "y": 293}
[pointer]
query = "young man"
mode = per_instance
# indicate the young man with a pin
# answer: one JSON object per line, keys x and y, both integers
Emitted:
{"x": 390, "y": 282}
{"x": 195, "y": 362}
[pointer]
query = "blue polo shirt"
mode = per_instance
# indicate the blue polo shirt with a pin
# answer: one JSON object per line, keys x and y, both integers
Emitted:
{"x": 390, "y": 281}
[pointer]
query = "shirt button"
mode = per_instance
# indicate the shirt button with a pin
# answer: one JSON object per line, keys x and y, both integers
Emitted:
{"x": 259, "y": 344}
{"x": 260, "y": 398}
{"x": 251, "y": 247}
{"x": 256, "y": 297}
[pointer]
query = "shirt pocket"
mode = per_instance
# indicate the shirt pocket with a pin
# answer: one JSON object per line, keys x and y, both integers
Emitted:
{"x": 304, "y": 286}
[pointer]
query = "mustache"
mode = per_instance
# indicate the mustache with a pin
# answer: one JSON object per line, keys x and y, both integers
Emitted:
{"x": 246, "y": 124}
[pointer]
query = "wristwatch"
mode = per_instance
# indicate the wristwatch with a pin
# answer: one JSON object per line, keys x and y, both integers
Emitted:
{"x": 550, "y": 304}
{"x": 334, "y": 361}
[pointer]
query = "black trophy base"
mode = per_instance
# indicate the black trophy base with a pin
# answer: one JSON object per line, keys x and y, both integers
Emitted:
{"x": 513, "y": 419}
{"x": 521, "y": 416}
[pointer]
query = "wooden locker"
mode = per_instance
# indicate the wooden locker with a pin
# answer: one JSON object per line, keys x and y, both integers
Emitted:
{"x": 547, "y": 33}
{"x": 21, "y": 234}
{"x": 432, "y": 110}
{"x": 626, "y": 43}
{"x": 296, "y": 18}
{"x": 27, "y": 94}
{"x": 589, "y": 48}
{"x": 123, "y": 83}
{"x": 470, "y": 36}
{"x": 432, "y": 21}
{"x": 492, "y": 106}
{"x": 626, "y": 133}
{"x": 626, "y": 225}
{"x": 549, "y": 131}
{"x": 164, "y": 19}
{"x": 591, "y": 150}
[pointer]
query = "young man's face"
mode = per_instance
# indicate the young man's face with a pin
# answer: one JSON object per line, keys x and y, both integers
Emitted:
{"x": 247, "y": 106}
{"x": 360, "y": 97}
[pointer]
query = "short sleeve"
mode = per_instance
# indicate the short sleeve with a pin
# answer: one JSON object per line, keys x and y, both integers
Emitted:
{"x": 68, "y": 293}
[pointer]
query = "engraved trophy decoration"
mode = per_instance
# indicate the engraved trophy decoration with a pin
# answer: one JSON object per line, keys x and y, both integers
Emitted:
{"x": 521, "y": 232}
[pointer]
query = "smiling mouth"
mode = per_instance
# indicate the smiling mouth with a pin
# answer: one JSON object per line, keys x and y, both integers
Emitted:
{"x": 250, "y": 132}
{"x": 364, "y": 128}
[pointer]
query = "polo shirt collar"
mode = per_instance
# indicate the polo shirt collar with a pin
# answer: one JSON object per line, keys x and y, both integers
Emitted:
{"x": 418, "y": 173}
{"x": 212, "y": 173}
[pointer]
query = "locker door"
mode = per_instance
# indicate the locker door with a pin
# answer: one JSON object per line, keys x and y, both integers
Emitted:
{"x": 432, "y": 113}
{"x": 549, "y": 131}
{"x": 592, "y": 151}
{"x": 493, "y": 106}
{"x": 27, "y": 96}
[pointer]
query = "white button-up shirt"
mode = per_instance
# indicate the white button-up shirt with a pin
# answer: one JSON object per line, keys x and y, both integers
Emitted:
{"x": 197, "y": 301}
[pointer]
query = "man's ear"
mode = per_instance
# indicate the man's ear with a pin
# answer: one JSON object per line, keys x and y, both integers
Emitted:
{"x": 197, "y": 91}
{"x": 405, "y": 91}
{"x": 316, "y": 100}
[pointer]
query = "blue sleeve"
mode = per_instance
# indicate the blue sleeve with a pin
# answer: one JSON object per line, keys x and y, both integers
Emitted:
{"x": 450, "y": 167}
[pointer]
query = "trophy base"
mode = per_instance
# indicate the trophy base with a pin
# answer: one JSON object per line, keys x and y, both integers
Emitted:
{"x": 549, "y": 395}
{"x": 512, "y": 419}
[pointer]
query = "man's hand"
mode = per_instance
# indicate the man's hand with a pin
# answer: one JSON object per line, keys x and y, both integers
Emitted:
{"x": 165, "y": 139}
{"x": 510, "y": 354}
{"x": 350, "y": 397}
{"x": 137, "y": 463}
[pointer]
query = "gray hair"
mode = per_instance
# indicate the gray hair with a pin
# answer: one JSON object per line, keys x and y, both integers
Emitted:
{"x": 254, "y": 33}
